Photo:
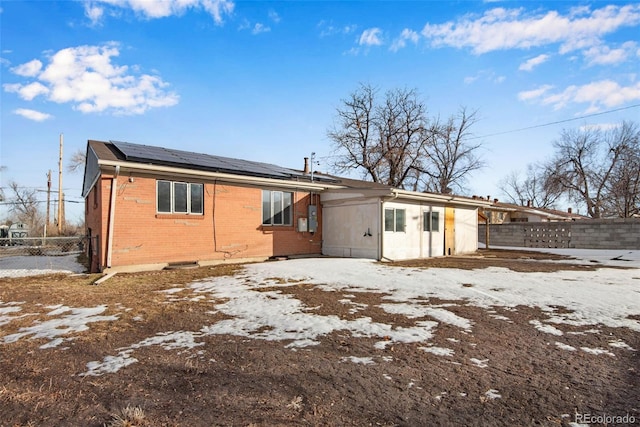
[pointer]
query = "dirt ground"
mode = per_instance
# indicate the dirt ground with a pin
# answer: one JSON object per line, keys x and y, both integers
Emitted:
{"x": 239, "y": 381}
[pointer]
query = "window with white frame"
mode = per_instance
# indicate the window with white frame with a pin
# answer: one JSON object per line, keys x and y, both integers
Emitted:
{"x": 276, "y": 207}
{"x": 431, "y": 221}
{"x": 394, "y": 220}
{"x": 179, "y": 197}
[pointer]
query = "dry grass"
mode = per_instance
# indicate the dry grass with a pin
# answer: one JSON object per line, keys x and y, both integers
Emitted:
{"x": 520, "y": 261}
{"x": 123, "y": 289}
{"x": 130, "y": 416}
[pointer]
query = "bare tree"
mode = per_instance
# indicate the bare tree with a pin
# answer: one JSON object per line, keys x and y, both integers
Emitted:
{"x": 76, "y": 163}
{"x": 586, "y": 162}
{"x": 535, "y": 187}
{"x": 25, "y": 206}
{"x": 2, "y": 198}
{"x": 383, "y": 140}
{"x": 623, "y": 188}
{"x": 393, "y": 142}
{"x": 449, "y": 158}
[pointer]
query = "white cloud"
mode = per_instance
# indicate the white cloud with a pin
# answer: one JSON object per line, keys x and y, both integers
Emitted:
{"x": 485, "y": 75}
{"x": 27, "y": 92}
{"x": 500, "y": 29}
{"x": 29, "y": 69}
{"x": 34, "y": 115}
{"x": 260, "y": 28}
{"x": 535, "y": 93}
{"x": 530, "y": 64}
{"x": 273, "y": 15}
{"x": 370, "y": 37}
{"x": 153, "y": 9}
{"x": 401, "y": 42}
{"x": 604, "y": 55}
{"x": 86, "y": 77}
{"x": 93, "y": 12}
{"x": 470, "y": 79}
{"x": 599, "y": 95}
{"x": 327, "y": 28}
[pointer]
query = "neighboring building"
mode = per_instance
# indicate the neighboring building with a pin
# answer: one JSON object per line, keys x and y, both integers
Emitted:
{"x": 149, "y": 207}
{"x": 503, "y": 213}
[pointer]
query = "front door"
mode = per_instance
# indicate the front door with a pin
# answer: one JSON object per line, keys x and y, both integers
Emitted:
{"x": 449, "y": 231}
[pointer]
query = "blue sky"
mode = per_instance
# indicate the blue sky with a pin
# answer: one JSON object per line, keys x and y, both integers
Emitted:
{"x": 262, "y": 80}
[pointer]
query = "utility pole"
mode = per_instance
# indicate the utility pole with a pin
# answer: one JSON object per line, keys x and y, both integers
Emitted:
{"x": 46, "y": 222}
{"x": 60, "y": 201}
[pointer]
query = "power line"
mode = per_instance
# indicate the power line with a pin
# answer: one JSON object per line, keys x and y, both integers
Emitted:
{"x": 558, "y": 122}
{"x": 10, "y": 202}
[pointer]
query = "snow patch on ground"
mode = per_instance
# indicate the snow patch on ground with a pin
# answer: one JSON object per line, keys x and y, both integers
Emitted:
{"x": 492, "y": 394}
{"x": 547, "y": 329}
{"x": 597, "y": 351}
{"x": 563, "y": 346}
{"x": 606, "y": 296}
{"x": 359, "y": 360}
{"x": 438, "y": 351}
{"x": 480, "y": 363}
{"x": 621, "y": 344}
{"x": 413, "y": 311}
{"x": 55, "y": 329}
{"x": 9, "y": 308}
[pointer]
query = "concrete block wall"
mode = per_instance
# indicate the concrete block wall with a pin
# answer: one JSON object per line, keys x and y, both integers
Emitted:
{"x": 586, "y": 234}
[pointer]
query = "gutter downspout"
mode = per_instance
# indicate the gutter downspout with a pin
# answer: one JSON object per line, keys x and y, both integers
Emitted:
{"x": 112, "y": 207}
{"x": 431, "y": 231}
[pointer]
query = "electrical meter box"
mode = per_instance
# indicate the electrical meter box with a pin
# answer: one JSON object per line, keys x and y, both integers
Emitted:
{"x": 302, "y": 225}
{"x": 313, "y": 219}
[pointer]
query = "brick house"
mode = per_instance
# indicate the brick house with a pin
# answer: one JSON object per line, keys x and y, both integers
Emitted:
{"x": 149, "y": 207}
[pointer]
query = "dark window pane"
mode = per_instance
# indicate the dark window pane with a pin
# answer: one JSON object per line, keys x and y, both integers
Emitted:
{"x": 179, "y": 197}
{"x": 287, "y": 202}
{"x": 164, "y": 197}
{"x": 388, "y": 220}
{"x": 266, "y": 207}
{"x": 196, "y": 198}
{"x": 400, "y": 214}
{"x": 435, "y": 221}
{"x": 277, "y": 207}
{"x": 426, "y": 221}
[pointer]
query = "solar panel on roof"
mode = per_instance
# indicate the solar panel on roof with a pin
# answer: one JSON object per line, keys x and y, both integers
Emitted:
{"x": 171, "y": 157}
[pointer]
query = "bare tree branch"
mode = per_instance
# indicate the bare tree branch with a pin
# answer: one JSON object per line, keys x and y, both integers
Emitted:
{"x": 76, "y": 163}
{"x": 25, "y": 205}
{"x": 393, "y": 141}
{"x": 534, "y": 188}
{"x": 596, "y": 168}
{"x": 449, "y": 158}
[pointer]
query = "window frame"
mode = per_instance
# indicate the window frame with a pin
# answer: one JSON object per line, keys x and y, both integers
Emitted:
{"x": 172, "y": 208}
{"x": 395, "y": 223}
{"x": 280, "y": 205}
{"x": 429, "y": 219}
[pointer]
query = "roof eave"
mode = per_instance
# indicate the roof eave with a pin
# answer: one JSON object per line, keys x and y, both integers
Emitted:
{"x": 226, "y": 177}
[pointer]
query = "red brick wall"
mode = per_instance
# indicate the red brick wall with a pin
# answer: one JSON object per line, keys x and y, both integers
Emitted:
{"x": 231, "y": 226}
